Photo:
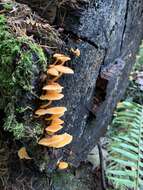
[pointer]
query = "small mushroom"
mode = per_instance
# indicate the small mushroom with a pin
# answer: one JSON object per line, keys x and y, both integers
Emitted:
{"x": 63, "y": 165}
{"x": 61, "y": 57}
{"x": 55, "y": 116}
{"x": 52, "y": 96}
{"x": 56, "y": 110}
{"x": 52, "y": 110}
{"x": 76, "y": 52}
{"x": 52, "y": 71}
{"x": 62, "y": 69}
{"x": 22, "y": 153}
{"x": 53, "y": 86}
{"x": 57, "y": 121}
{"x": 53, "y": 128}
{"x": 56, "y": 141}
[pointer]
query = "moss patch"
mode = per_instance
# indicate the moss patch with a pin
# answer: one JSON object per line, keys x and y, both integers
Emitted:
{"x": 20, "y": 60}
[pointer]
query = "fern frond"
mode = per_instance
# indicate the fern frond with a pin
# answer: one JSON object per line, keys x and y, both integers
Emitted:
{"x": 125, "y": 148}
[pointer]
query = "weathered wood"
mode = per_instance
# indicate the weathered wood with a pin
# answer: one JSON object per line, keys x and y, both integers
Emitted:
{"x": 108, "y": 34}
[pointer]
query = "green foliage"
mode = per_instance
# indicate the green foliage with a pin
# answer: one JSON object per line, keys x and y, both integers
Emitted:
{"x": 8, "y": 5}
{"x": 139, "y": 61}
{"x": 125, "y": 147}
{"x": 19, "y": 58}
{"x": 16, "y": 59}
{"x": 134, "y": 92}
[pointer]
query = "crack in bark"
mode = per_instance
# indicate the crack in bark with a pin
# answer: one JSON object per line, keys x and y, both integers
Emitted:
{"x": 84, "y": 39}
{"x": 125, "y": 24}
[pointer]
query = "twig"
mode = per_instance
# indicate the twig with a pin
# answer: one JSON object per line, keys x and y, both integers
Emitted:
{"x": 102, "y": 166}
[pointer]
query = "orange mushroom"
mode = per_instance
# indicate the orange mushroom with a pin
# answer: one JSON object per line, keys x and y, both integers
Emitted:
{"x": 52, "y": 110}
{"x": 62, "y": 69}
{"x": 61, "y": 57}
{"x": 63, "y": 165}
{"x": 57, "y": 121}
{"x": 56, "y": 110}
{"x": 55, "y": 116}
{"x": 41, "y": 112}
{"x": 22, "y": 153}
{"x": 56, "y": 141}
{"x": 53, "y": 128}
{"x": 53, "y": 71}
{"x": 52, "y": 96}
{"x": 53, "y": 86}
{"x": 76, "y": 52}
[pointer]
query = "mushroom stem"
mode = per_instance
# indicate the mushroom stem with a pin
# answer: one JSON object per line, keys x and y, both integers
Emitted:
{"x": 46, "y": 105}
{"x": 56, "y": 78}
{"x": 55, "y": 62}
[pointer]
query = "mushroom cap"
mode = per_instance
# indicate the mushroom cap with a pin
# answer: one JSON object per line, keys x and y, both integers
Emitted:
{"x": 76, "y": 52}
{"x": 63, "y": 69}
{"x": 56, "y": 110}
{"x": 62, "y": 165}
{"x": 53, "y": 128}
{"x": 53, "y": 86}
{"x": 58, "y": 55}
{"x": 52, "y": 71}
{"x": 41, "y": 112}
{"x": 57, "y": 121}
{"x": 22, "y": 153}
{"x": 55, "y": 116}
{"x": 52, "y": 110}
{"x": 61, "y": 57}
{"x": 56, "y": 141}
{"x": 52, "y": 96}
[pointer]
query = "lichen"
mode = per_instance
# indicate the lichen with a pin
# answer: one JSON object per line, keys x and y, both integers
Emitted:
{"x": 19, "y": 58}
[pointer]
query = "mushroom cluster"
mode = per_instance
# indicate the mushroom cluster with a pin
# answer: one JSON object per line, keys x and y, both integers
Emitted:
{"x": 52, "y": 91}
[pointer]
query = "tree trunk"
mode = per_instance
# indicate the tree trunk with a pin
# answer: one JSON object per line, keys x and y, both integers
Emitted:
{"x": 108, "y": 34}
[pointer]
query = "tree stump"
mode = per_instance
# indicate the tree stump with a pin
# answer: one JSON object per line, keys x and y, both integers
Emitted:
{"x": 108, "y": 34}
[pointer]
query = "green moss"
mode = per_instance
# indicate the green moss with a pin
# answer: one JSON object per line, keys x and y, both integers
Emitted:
{"x": 19, "y": 58}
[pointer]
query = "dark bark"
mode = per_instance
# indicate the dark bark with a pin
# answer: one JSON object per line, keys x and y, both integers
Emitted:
{"x": 108, "y": 34}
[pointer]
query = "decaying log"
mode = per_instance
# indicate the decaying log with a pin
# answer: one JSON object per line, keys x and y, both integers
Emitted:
{"x": 108, "y": 34}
